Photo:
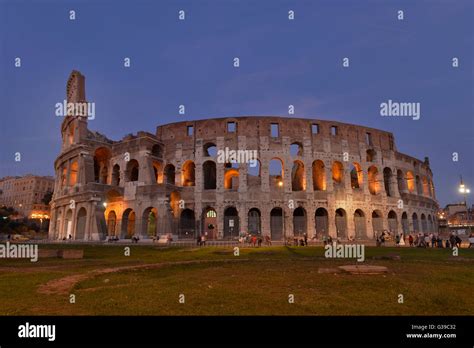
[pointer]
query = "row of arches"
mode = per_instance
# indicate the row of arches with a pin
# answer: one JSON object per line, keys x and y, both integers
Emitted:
{"x": 71, "y": 227}
{"x": 188, "y": 227}
{"x": 407, "y": 182}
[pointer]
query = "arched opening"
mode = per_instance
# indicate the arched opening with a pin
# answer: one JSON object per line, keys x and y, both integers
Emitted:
{"x": 359, "y": 224}
{"x": 116, "y": 175}
{"x": 73, "y": 172}
{"x": 392, "y": 222}
{"x": 401, "y": 182}
{"x": 149, "y": 222}
{"x": 377, "y": 222}
{"x": 57, "y": 225}
{"x": 341, "y": 223}
{"x": 231, "y": 176}
{"x": 68, "y": 225}
{"x": 299, "y": 222}
{"x": 81, "y": 224}
{"x": 276, "y": 224}
{"x": 298, "y": 179}
{"x": 416, "y": 225}
{"x": 371, "y": 155}
{"x": 430, "y": 224}
{"x": 210, "y": 150}
{"x": 373, "y": 180}
{"x": 187, "y": 224}
{"x": 188, "y": 173}
{"x": 337, "y": 173}
{"x": 209, "y": 175}
{"x": 128, "y": 223}
{"x": 175, "y": 197}
{"x": 102, "y": 157}
{"x": 158, "y": 172}
{"x": 64, "y": 176}
{"x": 132, "y": 170}
{"x": 296, "y": 149}
{"x": 405, "y": 226}
{"x": 231, "y": 223}
{"x": 356, "y": 176}
{"x": 426, "y": 187}
{"x": 321, "y": 222}
{"x": 319, "y": 176}
{"x": 209, "y": 220}
{"x": 276, "y": 173}
{"x": 410, "y": 182}
{"x": 419, "y": 188}
{"x": 254, "y": 222}
{"x": 111, "y": 223}
{"x": 424, "y": 227}
{"x": 387, "y": 181}
{"x": 254, "y": 173}
{"x": 104, "y": 174}
{"x": 70, "y": 135}
{"x": 157, "y": 151}
{"x": 169, "y": 173}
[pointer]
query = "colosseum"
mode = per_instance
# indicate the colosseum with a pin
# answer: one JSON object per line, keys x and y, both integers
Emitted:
{"x": 308, "y": 176}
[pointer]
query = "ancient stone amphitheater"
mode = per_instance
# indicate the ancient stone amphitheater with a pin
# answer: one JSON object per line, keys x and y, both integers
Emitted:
{"x": 309, "y": 176}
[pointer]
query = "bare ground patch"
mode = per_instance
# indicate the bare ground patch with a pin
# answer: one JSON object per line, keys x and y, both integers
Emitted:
{"x": 63, "y": 286}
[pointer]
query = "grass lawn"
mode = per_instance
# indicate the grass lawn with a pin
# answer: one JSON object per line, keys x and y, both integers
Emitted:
{"x": 215, "y": 282}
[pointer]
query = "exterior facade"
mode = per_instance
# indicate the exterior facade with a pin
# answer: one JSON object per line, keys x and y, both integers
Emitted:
{"x": 25, "y": 194}
{"x": 194, "y": 177}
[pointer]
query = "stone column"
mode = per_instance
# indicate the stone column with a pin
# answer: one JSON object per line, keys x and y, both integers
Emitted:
{"x": 220, "y": 168}
{"x": 265, "y": 220}
{"x": 243, "y": 218}
{"x": 220, "y": 221}
{"x": 243, "y": 167}
{"x": 310, "y": 222}
{"x": 308, "y": 163}
{"x": 287, "y": 221}
{"x": 328, "y": 174}
{"x": 332, "y": 219}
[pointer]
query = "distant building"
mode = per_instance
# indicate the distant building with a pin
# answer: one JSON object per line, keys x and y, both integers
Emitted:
{"x": 456, "y": 218}
{"x": 25, "y": 194}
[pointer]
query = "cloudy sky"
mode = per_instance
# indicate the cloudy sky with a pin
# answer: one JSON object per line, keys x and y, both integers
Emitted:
{"x": 282, "y": 62}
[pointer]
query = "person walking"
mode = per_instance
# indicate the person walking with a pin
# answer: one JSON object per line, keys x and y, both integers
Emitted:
{"x": 458, "y": 241}
{"x": 452, "y": 240}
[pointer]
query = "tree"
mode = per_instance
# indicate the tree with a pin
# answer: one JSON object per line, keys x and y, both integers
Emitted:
{"x": 47, "y": 197}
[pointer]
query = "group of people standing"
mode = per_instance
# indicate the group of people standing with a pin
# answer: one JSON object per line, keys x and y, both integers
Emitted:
{"x": 254, "y": 240}
{"x": 201, "y": 240}
{"x": 434, "y": 241}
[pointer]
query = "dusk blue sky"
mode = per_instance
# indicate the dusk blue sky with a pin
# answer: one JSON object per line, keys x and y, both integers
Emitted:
{"x": 283, "y": 62}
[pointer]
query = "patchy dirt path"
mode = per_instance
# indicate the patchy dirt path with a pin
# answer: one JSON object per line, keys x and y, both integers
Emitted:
{"x": 63, "y": 286}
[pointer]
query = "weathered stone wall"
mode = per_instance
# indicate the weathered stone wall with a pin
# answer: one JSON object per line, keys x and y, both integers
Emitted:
{"x": 153, "y": 184}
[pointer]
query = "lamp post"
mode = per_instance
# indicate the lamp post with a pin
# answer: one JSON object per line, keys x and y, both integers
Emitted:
{"x": 465, "y": 191}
